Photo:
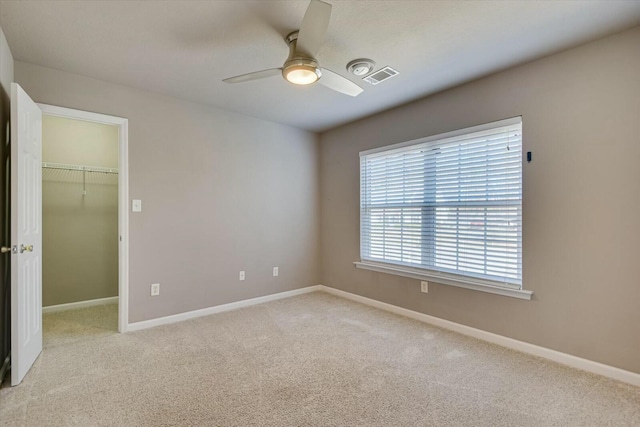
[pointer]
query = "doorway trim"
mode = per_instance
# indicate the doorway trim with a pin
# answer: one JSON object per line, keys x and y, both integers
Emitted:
{"x": 123, "y": 196}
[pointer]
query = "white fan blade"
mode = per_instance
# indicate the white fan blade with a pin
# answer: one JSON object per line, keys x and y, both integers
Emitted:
{"x": 254, "y": 76}
{"x": 313, "y": 28}
{"x": 338, "y": 83}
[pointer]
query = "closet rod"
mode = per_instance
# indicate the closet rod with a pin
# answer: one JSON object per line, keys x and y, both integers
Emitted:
{"x": 80, "y": 168}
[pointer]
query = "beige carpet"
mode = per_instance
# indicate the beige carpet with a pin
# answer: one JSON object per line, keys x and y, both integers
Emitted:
{"x": 312, "y": 360}
{"x": 71, "y": 326}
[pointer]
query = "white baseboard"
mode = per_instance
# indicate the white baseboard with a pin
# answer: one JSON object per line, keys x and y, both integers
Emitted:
{"x": 218, "y": 309}
{"x": 79, "y": 304}
{"x": 524, "y": 347}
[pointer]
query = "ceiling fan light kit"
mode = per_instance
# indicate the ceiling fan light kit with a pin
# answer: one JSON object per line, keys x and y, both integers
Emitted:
{"x": 301, "y": 74}
{"x": 301, "y": 67}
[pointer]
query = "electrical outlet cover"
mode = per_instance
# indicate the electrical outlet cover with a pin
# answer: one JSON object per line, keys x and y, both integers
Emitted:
{"x": 424, "y": 287}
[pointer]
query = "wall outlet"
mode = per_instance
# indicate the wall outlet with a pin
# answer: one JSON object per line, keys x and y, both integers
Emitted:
{"x": 242, "y": 275}
{"x": 155, "y": 289}
{"x": 275, "y": 271}
{"x": 424, "y": 287}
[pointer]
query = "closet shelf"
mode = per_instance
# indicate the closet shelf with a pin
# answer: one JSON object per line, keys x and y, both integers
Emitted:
{"x": 81, "y": 168}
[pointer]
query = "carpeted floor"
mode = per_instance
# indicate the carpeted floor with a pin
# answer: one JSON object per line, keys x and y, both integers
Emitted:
{"x": 68, "y": 327}
{"x": 311, "y": 360}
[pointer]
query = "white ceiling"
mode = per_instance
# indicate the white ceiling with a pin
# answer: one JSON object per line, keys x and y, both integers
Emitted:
{"x": 185, "y": 48}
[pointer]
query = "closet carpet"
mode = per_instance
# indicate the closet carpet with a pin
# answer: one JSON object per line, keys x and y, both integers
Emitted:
{"x": 311, "y": 360}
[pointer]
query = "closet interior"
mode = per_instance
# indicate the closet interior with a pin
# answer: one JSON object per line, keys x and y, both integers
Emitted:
{"x": 80, "y": 221}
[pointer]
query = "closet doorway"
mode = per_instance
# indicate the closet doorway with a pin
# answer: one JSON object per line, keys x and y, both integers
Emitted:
{"x": 84, "y": 224}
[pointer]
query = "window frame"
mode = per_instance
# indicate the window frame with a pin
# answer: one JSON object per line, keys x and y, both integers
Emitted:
{"x": 468, "y": 281}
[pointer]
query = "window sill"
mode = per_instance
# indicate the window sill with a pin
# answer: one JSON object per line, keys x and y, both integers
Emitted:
{"x": 466, "y": 283}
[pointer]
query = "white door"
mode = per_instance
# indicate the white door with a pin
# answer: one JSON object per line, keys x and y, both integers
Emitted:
{"x": 26, "y": 233}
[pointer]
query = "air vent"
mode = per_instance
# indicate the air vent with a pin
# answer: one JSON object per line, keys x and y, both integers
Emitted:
{"x": 380, "y": 75}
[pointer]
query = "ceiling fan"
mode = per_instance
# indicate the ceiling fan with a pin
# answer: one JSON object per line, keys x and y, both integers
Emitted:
{"x": 301, "y": 67}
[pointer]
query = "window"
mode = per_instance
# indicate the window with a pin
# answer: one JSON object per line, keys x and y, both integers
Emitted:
{"x": 447, "y": 206}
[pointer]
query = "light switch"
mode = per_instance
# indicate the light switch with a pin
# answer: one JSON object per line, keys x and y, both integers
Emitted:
{"x": 136, "y": 205}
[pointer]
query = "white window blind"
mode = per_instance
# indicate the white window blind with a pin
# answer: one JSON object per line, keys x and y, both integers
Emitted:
{"x": 450, "y": 203}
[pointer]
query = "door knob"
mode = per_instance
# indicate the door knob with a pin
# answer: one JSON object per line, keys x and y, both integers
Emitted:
{"x": 26, "y": 248}
{"x": 5, "y": 249}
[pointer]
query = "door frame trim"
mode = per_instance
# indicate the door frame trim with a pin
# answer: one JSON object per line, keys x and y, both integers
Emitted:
{"x": 123, "y": 196}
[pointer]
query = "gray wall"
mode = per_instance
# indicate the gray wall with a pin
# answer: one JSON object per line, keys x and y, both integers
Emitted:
{"x": 581, "y": 204}
{"x": 79, "y": 231}
{"x": 6, "y": 77}
{"x": 221, "y": 192}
